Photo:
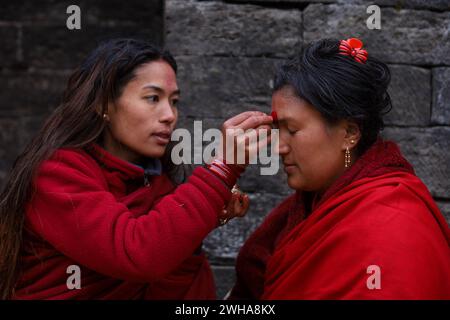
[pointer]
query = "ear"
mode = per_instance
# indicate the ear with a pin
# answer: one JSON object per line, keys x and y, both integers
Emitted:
{"x": 352, "y": 134}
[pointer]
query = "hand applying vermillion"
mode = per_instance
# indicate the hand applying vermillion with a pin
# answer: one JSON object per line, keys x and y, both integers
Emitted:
{"x": 240, "y": 202}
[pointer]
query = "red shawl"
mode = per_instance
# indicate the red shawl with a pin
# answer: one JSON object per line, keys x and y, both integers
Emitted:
{"x": 378, "y": 214}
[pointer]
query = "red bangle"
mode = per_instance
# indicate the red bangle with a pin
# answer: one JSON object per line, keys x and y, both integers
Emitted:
{"x": 225, "y": 168}
{"x": 235, "y": 168}
{"x": 224, "y": 172}
{"x": 228, "y": 180}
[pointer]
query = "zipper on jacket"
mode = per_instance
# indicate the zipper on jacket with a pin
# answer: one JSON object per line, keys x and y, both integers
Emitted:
{"x": 146, "y": 179}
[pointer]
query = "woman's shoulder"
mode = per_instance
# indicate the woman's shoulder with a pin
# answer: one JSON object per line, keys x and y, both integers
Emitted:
{"x": 68, "y": 164}
{"x": 70, "y": 157}
{"x": 402, "y": 209}
{"x": 398, "y": 191}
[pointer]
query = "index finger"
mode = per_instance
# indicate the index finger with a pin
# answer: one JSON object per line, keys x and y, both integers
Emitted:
{"x": 255, "y": 122}
{"x": 236, "y": 120}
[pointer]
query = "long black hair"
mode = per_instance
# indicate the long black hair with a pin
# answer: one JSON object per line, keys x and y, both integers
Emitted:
{"x": 340, "y": 87}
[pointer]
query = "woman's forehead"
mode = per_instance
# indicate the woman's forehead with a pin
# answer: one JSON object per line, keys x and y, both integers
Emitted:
{"x": 157, "y": 73}
{"x": 290, "y": 107}
{"x": 285, "y": 98}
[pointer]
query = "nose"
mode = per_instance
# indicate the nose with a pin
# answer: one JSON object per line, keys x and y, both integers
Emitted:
{"x": 168, "y": 114}
{"x": 283, "y": 147}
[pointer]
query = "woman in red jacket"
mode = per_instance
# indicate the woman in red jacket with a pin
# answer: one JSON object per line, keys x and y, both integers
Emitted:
{"x": 361, "y": 224}
{"x": 94, "y": 208}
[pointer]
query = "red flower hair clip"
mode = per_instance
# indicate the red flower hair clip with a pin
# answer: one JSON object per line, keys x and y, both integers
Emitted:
{"x": 353, "y": 47}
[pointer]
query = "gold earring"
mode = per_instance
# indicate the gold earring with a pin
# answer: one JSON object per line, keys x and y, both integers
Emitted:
{"x": 348, "y": 158}
{"x": 105, "y": 116}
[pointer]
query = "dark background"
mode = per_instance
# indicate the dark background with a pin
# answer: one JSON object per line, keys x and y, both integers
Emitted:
{"x": 227, "y": 51}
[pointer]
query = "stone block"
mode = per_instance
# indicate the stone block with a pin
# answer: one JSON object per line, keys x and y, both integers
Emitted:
{"x": 218, "y": 29}
{"x": 216, "y": 87}
{"x": 445, "y": 209}
{"x": 410, "y": 91}
{"x": 441, "y": 96}
{"x": 428, "y": 151}
{"x": 57, "y": 47}
{"x": 31, "y": 93}
{"x": 9, "y": 42}
{"x": 53, "y": 12}
{"x": 401, "y": 4}
{"x": 225, "y": 278}
{"x": 224, "y": 243}
{"x": 9, "y": 131}
{"x": 407, "y": 36}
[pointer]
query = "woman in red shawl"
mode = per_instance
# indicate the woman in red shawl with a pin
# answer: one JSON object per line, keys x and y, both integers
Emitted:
{"x": 95, "y": 208}
{"x": 361, "y": 224}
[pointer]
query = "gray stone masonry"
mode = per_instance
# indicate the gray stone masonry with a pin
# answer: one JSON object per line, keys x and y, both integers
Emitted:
{"x": 227, "y": 52}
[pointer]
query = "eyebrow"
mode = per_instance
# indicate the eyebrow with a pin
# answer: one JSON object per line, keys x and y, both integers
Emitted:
{"x": 156, "y": 88}
{"x": 285, "y": 119}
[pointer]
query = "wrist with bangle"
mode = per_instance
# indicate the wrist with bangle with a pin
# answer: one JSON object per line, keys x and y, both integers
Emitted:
{"x": 228, "y": 174}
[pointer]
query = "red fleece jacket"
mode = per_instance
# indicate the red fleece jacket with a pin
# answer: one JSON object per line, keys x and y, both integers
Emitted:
{"x": 92, "y": 210}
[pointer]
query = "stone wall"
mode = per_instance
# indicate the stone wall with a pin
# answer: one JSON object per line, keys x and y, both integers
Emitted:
{"x": 227, "y": 51}
{"x": 38, "y": 52}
